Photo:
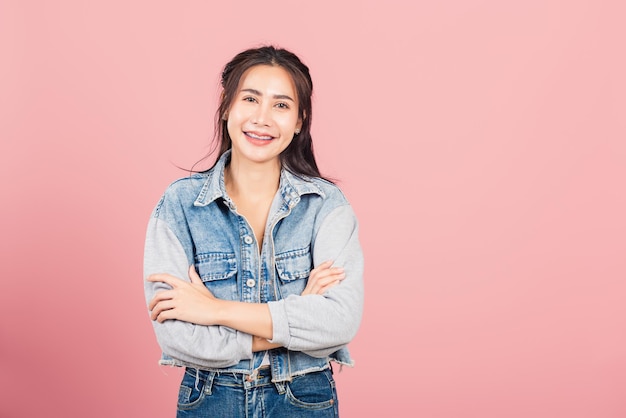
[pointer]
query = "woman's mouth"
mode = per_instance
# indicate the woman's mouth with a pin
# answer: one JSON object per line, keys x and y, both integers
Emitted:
{"x": 259, "y": 137}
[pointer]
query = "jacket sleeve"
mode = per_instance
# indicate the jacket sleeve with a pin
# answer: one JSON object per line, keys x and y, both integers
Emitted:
{"x": 203, "y": 346}
{"x": 319, "y": 325}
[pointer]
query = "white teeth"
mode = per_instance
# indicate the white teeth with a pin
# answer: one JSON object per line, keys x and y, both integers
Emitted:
{"x": 265, "y": 138}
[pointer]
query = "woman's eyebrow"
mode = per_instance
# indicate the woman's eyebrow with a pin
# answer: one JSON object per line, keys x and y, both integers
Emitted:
{"x": 276, "y": 96}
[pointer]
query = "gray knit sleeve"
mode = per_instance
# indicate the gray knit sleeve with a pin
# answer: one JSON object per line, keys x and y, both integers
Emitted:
{"x": 200, "y": 345}
{"x": 322, "y": 324}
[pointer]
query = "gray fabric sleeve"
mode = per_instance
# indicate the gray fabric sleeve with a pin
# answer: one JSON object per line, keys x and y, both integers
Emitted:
{"x": 208, "y": 346}
{"x": 319, "y": 325}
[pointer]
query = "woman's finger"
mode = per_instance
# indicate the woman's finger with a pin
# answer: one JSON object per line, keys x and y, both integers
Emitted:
{"x": 328, "y": 274}
{"x": 322, "y": 278}
{"x": 164, "y": 315}
{"x": 335, "y": 278}
{"x": 321, "y": 272}
{"x": 194, "y": 276}
{"x": 165, "y": 278}
{"x": 159, "y": 308}
{"x": 197, "y": 282}
{"x": 322, "y": 287}
{"x": 159, "y": 297}
{"x": 324, "y": 266}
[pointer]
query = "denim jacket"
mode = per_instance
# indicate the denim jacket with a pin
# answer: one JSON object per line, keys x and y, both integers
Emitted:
{"x": 310, "y": 221}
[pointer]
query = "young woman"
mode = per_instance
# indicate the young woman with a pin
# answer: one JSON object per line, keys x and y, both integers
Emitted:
{"x": 254, "y": 268}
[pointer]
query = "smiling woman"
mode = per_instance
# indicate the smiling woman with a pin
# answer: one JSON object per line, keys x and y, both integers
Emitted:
{"x": 254, "y": 267}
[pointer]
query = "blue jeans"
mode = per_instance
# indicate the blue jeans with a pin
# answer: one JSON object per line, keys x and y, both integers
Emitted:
{"x": 217, "y": 395}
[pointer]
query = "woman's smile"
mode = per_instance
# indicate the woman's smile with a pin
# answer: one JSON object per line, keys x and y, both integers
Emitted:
{"x": 257, "y": 138}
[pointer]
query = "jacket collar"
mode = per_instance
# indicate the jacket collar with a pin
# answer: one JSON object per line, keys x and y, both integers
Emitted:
{"x": 291, "y": 187}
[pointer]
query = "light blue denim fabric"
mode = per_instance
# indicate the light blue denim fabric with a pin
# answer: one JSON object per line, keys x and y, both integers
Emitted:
{"x": 310, "y": 221}
{"x": 213, "y": 394}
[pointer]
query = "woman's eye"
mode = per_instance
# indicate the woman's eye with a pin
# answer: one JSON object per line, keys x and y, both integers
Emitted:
{"x": 249, "y": 99}
{"x": 282, "y": 105}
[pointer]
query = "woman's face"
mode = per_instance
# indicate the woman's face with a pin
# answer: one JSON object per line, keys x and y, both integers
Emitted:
{"x": 263, "y": 117}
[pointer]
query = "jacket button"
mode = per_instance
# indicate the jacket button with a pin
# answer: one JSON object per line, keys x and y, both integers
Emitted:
{"x": 248, "y": 239}
{"x": 250, "y": 282}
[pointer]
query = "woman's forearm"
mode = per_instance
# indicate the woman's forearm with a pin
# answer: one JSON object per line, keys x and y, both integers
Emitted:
{"x": 256, "y": 318}
{"x": 251, "y": 318}
{"x": 193, "y": 302}
{"x": 261, "y": 344}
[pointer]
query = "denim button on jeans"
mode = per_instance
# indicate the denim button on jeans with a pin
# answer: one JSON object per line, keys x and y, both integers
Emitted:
{"x": 213, "y": 394}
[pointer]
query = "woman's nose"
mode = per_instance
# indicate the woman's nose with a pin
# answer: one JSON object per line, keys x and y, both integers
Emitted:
{"x": 261, "y": 115}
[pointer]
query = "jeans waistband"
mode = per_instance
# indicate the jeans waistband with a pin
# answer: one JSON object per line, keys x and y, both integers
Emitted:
{"x": 258, "y": 377}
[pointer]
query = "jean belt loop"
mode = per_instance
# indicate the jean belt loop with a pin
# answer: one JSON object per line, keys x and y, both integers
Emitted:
{"x": 208, "y": 386}
{"x": 280, "y": 387}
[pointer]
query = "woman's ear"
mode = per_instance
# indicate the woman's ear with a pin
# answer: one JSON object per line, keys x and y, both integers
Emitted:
{"x": 299, "y": 124}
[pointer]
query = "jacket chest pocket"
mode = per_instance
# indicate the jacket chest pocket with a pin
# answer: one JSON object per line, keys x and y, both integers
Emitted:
{"x": 293, "y": 269}
{"x": 218, "y": 272}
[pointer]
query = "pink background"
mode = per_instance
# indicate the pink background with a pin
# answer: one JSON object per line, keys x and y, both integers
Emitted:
{"x": 482, "y": 144}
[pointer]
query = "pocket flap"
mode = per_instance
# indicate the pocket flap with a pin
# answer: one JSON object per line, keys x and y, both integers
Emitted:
{"x": 216, "y": 266}
{"x": 294, "y": 265}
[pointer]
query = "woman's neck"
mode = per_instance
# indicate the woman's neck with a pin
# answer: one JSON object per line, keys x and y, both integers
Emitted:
{"x": 251, "y": 180}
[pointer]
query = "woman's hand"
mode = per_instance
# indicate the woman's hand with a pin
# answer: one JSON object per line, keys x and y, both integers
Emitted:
{"x": 322, "y": 278}
{"x": 190, "y": 302}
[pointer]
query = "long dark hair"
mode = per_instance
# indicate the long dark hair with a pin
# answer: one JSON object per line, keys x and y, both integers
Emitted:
{"x": 298, "y": 157}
